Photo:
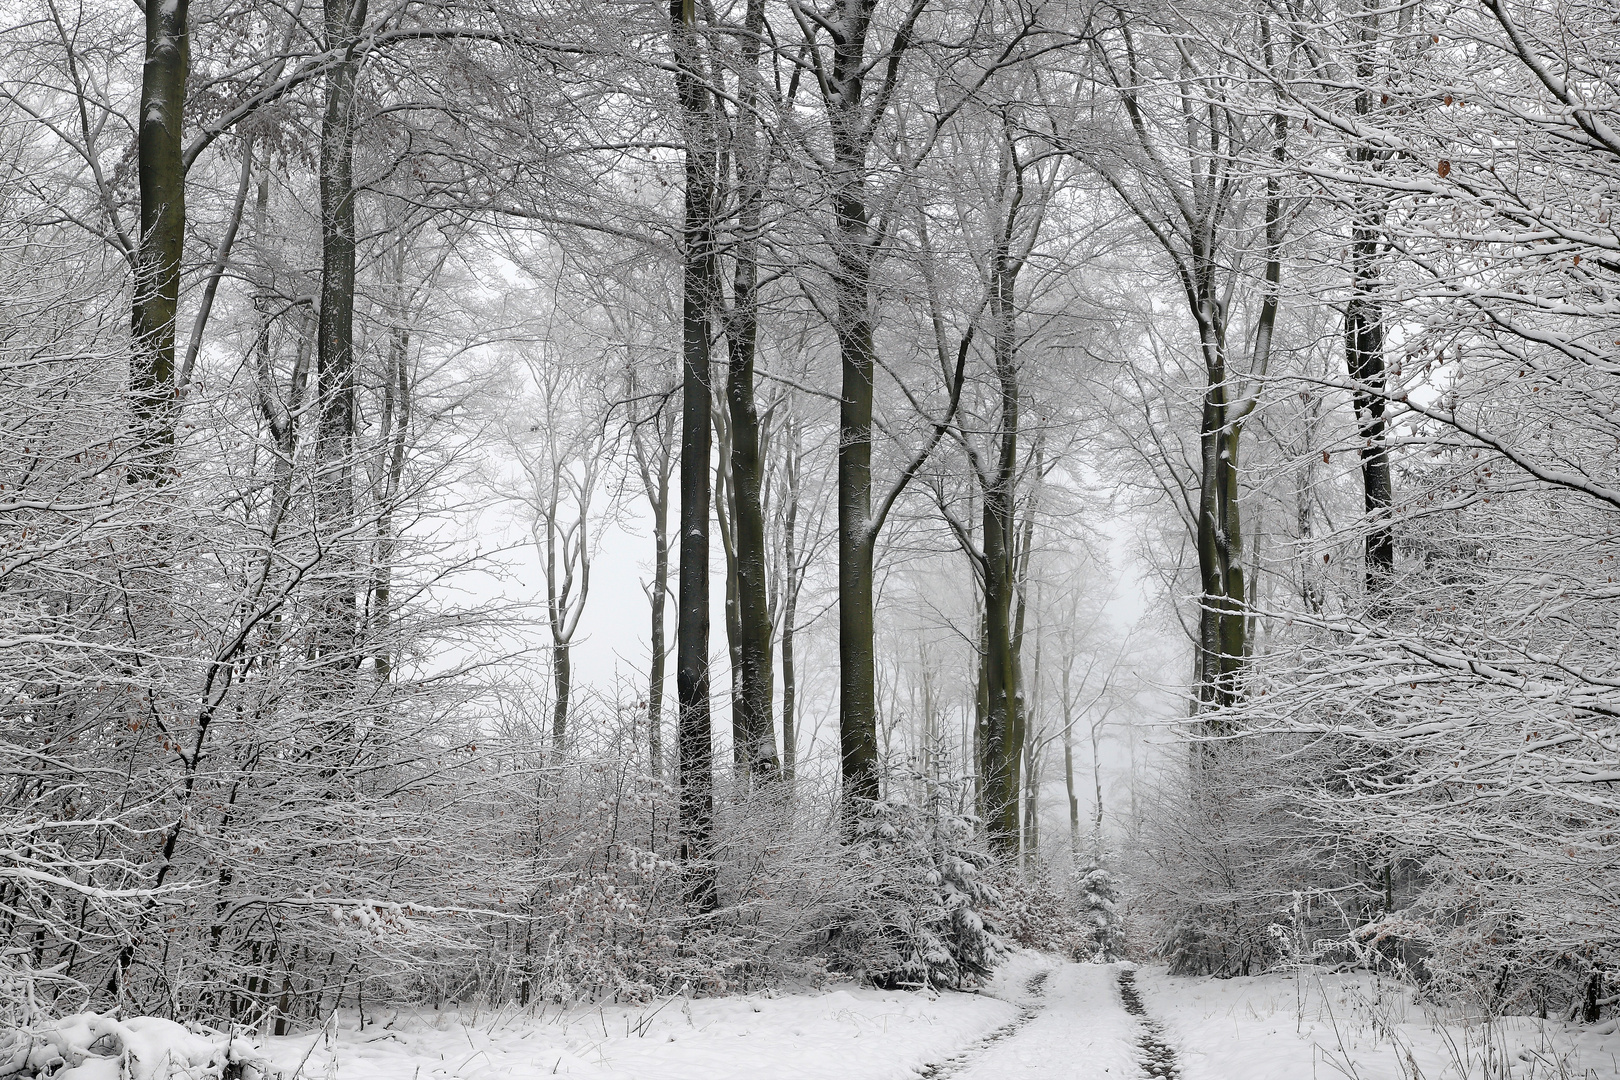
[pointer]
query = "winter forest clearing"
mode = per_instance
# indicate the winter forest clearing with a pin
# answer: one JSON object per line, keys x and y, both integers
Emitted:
{"x": 850, "y": 538}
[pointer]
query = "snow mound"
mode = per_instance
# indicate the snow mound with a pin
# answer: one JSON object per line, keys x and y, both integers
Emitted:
{"x": 95, "y": 1046}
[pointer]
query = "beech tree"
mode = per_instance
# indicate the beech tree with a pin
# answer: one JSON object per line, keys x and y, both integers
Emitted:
{"x": 1175, "y": 157}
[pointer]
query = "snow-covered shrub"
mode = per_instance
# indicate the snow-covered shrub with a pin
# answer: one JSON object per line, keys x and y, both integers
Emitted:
{"x": 97, "y": 1046}
{"x": 1489, "y": 941}
{"x": 1225, "y": 854}
{"x": 595, "y": 900}
{"x": 923, "y": 914}
{"x": 1097, "y": 903}
{"x": 1033, "y": 913}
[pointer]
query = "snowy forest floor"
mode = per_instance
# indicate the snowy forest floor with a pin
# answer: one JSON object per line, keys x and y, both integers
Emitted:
{"x": 1039, "y": 1019}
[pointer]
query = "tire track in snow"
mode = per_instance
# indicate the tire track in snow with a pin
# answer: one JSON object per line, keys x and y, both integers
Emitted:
{"x": 1158, "y": 1058}
{"x": 943, "y": 1070}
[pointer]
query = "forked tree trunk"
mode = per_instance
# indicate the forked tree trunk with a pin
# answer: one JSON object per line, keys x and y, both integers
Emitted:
{"x": 1220, "y": 533}
{"x": 699, "y": 281}
{"x": 754, "y": 687}
{"x": 1004, "y": 735}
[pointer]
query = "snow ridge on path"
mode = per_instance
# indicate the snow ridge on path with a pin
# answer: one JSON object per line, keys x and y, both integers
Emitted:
{"x": 1158, "y": 1058}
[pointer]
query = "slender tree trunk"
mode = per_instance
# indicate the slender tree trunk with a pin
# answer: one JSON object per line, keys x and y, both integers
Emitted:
{"x": 793, "y": 578}
{"x": 1026, "y": 699}
{"x": 1097, "y": 791}
{"x": 1310, "y": 594}
{"x": 981, "y": 718}
{"x": 1002, "y": 750}
{"x": 660, "y": 590}
{"x": 162, "y": 176}
{"x": 1030, "y": 850}
{"x": 725, "y": 519}
{"x": 395, "y": 429}
{"x": 699, "y": 279}
{"x": 1068, "y": 764}
{"x": 654, "y": 464}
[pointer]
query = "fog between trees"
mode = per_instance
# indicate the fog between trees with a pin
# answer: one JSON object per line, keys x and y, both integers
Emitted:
{"x": 921, "y": 334}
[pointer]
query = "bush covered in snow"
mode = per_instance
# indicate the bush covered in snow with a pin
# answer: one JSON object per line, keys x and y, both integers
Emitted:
{"x": 95, "y": 1046}
{"x": 1032, "y": 912}
{"x": 923, "y": 918}
{"x": 1097, "y": 903}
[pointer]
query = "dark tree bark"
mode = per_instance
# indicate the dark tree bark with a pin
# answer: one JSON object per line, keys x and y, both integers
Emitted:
{"x": 793, "y": 579}
{"x": 1068, "y": 759}
{"x": 336, "y": 627}
{"x": 394, "y": 431}
{"x": 751, "y": 701}
{"x": 852, "y": 128}
{"x": 1221, "y": 647}
{"x": 162, "y": 176}
{"x": 658, "y": 595}
{"x": 1364, "y": 338}
{"x": 652, "y": 441}
{"x": 853, "y": 118}
{"x": 725, "y": 518}
{"x": 1003, "y": 743}
{"x": 699, "y": 282}
{"x": 1185, "y": 195}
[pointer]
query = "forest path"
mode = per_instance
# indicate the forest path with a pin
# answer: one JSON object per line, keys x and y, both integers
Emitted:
{"x": 1078, "y": 1029}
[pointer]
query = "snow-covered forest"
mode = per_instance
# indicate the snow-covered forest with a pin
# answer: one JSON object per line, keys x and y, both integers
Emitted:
{"x": 510, "y": 506}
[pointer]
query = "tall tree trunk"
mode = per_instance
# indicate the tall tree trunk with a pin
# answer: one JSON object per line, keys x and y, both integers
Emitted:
{"x": 754, "y": 683}
{"x": 1030, "y": 848}
{"x": 981, "y": 716}
{"x": 1002, "y": 749}
{"x": 1097, "y": 793}
{"x": 852, "y": 280}
{"x": 1004, "y": 736}
{"x": 792, "y": 579}
{"x": 1068, "y": 763}
{"x": 1220, "y": 532}
{"x": 163, "y": 228}
{"x": 336, "y": 643}
{"x": 699, "y": 279}
{"x": 395, "y": 428}
{"x": 725, "y": 519}
{"x": 1025, "y": 701}
{"x": 654, "y": 463}
{"x": 1364, "y": 342}
{"x": 659, "y": 592}
{"x": 562, "y": 684}
{"x": 852, "y": 123}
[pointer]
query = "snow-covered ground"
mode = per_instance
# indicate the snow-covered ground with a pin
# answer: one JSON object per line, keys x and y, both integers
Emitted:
{"x": 843, "y": 1034}
{"x": 1080, "y": 1032}
{"x": 1360, "y": 1027}
{"x": 1039, "y": 1019}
